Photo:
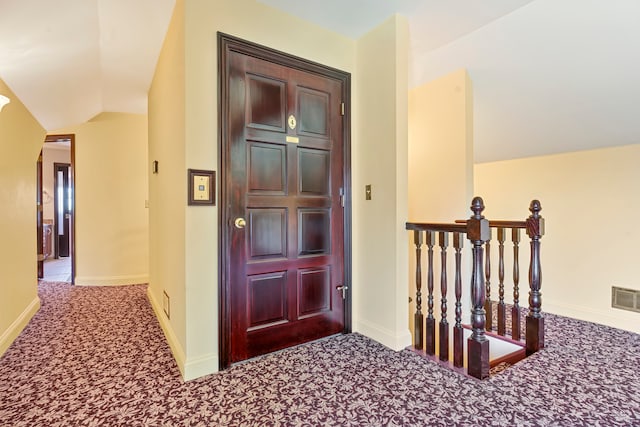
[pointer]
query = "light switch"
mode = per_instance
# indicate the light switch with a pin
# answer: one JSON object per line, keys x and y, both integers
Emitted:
{"x": 367, "y": 192}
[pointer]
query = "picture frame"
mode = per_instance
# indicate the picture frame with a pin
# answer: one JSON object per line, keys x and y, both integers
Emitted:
{"x": 201, "y": 184}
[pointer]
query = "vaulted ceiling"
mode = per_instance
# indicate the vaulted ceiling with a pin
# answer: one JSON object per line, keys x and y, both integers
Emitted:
{"x": 68, "y": 60}
{"x": 549, "y": 76}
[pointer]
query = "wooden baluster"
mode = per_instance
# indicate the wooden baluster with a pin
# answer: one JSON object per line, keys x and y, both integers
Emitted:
{"x": 488, "y": 305}
{"x": 502, "y": 321}
{"x": 430, "y": 322}
{"x": 478, "y": 232}
{"x": 444, "y": 324}
{"x": 458, "y": 334}
{"x": 418, "y": 318}
{"x": 515, "y": 310}
{"x": 535, "y": 321}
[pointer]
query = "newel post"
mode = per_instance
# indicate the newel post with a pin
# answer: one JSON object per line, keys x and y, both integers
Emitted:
{"x": 535, "y": 321}
{"x": 478, "y": 232}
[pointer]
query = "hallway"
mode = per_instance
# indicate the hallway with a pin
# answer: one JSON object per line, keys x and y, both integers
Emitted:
{"x": 57, "y": 270}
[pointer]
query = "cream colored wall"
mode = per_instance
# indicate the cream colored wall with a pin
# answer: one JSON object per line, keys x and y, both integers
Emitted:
{"x": 589, "y": 200}
{"x": 21, "y": 138}
{"x": 51, "y": 154}
{"x": 380, "y": 159}
{"x": 167, "y": 188}
{"x": 193, "y": 280}
{"x": 440, "y": 165}
{"x": 441, "y": 149}
{"x": 111, "y": 220}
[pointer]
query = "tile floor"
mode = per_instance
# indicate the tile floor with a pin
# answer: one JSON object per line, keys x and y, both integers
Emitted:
{"x": 57, "y": 270}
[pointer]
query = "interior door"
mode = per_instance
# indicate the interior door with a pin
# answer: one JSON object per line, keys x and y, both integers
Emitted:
{"x": 63, "y": 203}
{"x": 285, "y": 220}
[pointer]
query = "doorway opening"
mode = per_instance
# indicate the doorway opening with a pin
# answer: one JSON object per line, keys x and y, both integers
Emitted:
{"x": 56, "y": 209}
{"x": 63, "y": 206}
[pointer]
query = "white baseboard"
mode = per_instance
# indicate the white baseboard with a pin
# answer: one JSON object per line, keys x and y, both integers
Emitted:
{"x": 620, "y": 319}
{"x": 112, "y": 280}
{"x": 10, "y": 335}
{"x": 192, "y": 368}
{"x": 200, "y": 366}
{"x": 172, "y": 340}
{"x": 382, "y": 335}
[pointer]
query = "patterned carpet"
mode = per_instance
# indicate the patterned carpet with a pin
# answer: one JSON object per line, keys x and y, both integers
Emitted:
{"x": 97, "y": 356}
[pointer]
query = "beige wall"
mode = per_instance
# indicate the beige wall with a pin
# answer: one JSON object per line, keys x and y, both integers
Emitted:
{"x": 21, "y": 138}
{"x": 183, "y": 133}
{"x": 380, "y": 159}
{"x": 441, "y": 149}
{"x": 110, "y": 192}
{"x": 589, "y": 200}
{"x": 167, "y": 188}
{"x": 440, "y": 166}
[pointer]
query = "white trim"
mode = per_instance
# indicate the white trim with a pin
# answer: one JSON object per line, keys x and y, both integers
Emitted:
{"x": 176, "y": 349}
{"x": 112, "y": 280}
{"x": 18, "y": 325}
{"x": 623, "y": 320}
{"x": 200, "y": 366}
{"x": 386, "y": 337}
{"x": 189, "y": 369}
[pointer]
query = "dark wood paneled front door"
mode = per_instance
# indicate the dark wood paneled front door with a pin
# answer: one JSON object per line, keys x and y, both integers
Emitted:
{"x": 283, "y": 191}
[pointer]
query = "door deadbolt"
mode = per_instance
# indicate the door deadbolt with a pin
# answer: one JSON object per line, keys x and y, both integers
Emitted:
{"x": 240, "y": 223}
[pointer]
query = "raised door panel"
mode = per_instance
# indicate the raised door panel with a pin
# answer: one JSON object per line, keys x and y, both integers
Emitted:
{"x": 314, "y": 172}
{"x": 267, "y": 236}
{"x": 314, "y": 231}
{"x": 313, "y": 113}
{"x": 267, "y": 300}
{"x": 266, "y": 103}
{"x": 266, "y": 168}
{"x": 314, "y": 291}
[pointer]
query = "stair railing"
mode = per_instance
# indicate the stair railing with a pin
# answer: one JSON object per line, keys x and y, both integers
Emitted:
{"x": 477, "y": 230}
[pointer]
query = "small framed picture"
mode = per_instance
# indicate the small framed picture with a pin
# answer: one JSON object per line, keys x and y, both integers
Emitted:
{"x": 202, "y": 186}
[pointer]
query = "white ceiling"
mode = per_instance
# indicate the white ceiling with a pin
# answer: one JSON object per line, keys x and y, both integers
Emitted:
{"x": 68, "y": 60}
{"x": 549, "y": 76}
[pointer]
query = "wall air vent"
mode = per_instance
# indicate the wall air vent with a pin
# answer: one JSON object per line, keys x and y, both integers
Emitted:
{"x": 625, "y": 299}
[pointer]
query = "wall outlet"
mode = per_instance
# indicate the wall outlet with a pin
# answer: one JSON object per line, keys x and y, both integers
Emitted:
{"x": 165, "y": 304}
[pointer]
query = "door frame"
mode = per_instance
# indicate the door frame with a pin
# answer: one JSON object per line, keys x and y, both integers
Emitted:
{"x": 226, "y": 45}
{"x": 72, "y": 183}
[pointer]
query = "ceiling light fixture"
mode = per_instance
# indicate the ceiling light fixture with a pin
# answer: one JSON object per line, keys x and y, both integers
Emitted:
{"x": 3, "y": 101}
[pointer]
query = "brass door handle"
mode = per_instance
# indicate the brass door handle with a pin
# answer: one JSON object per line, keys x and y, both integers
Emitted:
{"x": 240, "y": 222}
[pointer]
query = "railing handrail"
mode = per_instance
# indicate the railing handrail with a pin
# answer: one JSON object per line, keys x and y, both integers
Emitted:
{"x": 500, "y": 223}
{"x": 434, "y": 226}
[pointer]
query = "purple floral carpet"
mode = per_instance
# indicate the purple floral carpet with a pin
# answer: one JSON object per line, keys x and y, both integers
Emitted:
{"x": 97, "y": 356}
